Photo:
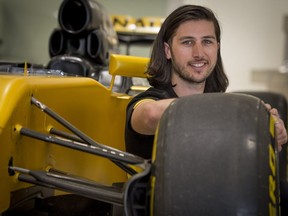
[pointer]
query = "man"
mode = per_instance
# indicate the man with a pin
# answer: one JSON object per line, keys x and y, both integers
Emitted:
{"x": 185, "y": 60}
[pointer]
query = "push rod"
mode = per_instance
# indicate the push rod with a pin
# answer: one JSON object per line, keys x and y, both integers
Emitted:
{"x": 103, "y": 193}
{"x": 96, "y": 150}
{"x": 72, "y": 128}
{"x": 73, "y": 137}
{"x": 79, "y": 133}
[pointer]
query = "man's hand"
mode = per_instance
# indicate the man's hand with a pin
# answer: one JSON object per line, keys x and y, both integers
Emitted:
{"x": 280, "y": 130}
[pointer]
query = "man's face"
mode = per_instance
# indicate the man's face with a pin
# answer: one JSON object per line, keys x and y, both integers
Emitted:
{"x": 193, "y": 51}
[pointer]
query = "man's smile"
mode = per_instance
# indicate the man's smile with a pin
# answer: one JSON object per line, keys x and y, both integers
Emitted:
{"x": 198, "y": 65}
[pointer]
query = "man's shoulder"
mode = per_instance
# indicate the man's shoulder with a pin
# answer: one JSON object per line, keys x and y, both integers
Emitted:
{"x": 154, "y": 93}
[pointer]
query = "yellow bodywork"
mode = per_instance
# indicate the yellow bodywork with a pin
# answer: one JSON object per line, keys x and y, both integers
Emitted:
{"x": 85, "y": 103}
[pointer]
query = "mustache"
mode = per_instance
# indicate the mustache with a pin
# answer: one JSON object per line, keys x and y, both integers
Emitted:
{"x": 200, "y": 60}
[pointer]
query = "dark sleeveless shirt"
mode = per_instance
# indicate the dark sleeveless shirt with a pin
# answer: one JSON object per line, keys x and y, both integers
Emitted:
{"x": 136, "y": 143}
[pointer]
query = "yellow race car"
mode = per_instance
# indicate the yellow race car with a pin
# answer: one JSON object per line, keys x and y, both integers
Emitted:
{"x": 62, "y": 149}
{"x": 62, "y": 145}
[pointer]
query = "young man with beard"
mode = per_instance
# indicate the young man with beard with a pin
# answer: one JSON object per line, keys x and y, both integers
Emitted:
{"x": 185, "y": 60}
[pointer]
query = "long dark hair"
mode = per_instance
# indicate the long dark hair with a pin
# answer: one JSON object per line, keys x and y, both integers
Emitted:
{"x": 160, "y": 69}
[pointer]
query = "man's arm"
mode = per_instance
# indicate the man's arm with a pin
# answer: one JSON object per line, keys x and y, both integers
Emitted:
{"x": 147, "y": 114}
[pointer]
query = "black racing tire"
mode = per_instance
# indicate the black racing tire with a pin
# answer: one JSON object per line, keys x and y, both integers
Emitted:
{"x": 215, "y": 155}
{"x": 278, "y": 101}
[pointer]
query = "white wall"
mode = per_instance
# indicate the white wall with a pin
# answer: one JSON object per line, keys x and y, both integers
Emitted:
{"x": 27, "y": 26}
{"x": 1, "y": 25}
{"x": 253, "y": 41}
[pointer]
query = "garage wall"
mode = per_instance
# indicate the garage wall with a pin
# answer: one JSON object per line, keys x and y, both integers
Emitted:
{"x": 27, "y": 25}
{"x": 137, "y": 9}
{"x": 1, "y": 26}
{"x": 253, "y": 39}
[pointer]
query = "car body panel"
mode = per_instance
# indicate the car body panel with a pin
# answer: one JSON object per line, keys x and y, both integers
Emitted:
{"x": 84, "y": 102}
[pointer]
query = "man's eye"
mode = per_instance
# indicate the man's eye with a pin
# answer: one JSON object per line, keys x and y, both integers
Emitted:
{"x": 207, "y": 42}
{"x": 187, "y": 42}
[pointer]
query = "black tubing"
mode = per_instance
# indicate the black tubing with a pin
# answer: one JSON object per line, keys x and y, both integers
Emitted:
{"x": 76, "y": 16}
{"x": 57, "y": 43}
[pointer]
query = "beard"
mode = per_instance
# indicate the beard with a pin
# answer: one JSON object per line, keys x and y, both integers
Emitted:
{"x": 184, "y": 74}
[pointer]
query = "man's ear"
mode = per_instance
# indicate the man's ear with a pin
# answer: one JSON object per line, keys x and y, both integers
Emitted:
{"x": 167, "y": 50}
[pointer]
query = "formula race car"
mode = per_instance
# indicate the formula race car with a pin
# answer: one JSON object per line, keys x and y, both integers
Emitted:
{"x": 62, "y": 147}
{"x": 62, "y": 143}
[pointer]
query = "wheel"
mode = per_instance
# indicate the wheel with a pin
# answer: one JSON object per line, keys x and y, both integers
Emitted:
{"x": 215, "y": 155}
{"x": 279, "y": 102}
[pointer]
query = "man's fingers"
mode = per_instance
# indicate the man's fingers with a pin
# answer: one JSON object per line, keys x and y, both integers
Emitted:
{"x": 268, "y": 106}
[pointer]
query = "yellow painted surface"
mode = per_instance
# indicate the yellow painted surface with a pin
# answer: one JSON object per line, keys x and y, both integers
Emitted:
{"x": 128, "y": 66}
{"x": 85, "y": 103}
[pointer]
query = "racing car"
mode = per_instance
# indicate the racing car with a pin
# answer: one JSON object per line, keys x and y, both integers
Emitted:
{"x": 63, "y": 136}
{"x": 62, "y": 143}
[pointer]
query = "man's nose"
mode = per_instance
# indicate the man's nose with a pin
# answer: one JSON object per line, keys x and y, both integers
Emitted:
{"x": 198, "y": 50}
